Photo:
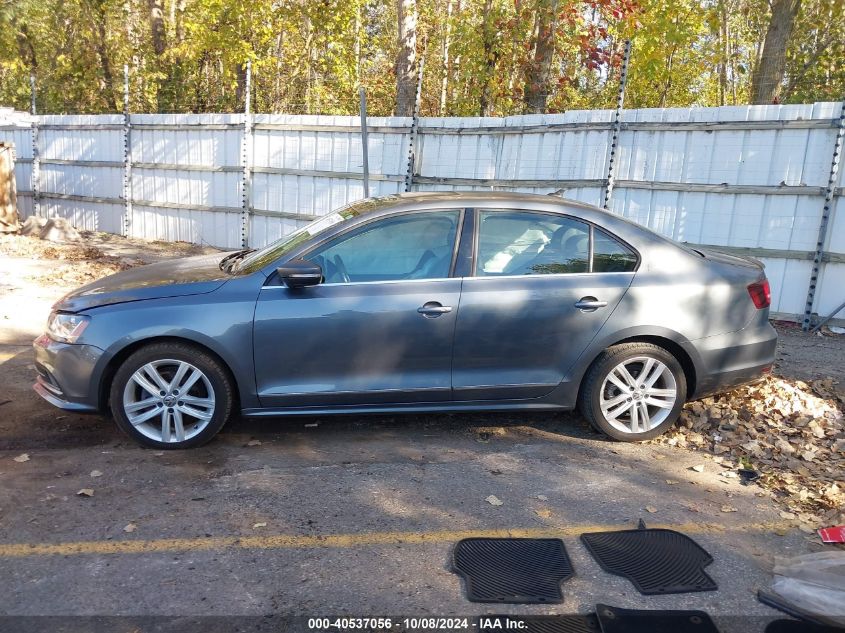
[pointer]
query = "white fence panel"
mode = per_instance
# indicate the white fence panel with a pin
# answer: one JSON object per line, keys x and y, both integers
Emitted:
{"x": 744, "y": 177}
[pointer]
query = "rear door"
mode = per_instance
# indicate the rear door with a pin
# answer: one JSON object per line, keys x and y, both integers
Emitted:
{"x": 541, "y": 287}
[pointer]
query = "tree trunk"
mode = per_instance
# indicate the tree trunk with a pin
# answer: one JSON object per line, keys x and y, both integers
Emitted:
{"x": 488, "y": 34}
{"x": 766, "y": 84}
{"x": 539, "y": 68}
{"x": 447, "y": 67}
{"x": 157, "y": 26}
{"x": 406, "y": 58}
{"x": 103, "y": 55}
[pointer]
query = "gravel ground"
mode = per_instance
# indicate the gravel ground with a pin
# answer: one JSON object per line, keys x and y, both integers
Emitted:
{"x": 346, "y": 515}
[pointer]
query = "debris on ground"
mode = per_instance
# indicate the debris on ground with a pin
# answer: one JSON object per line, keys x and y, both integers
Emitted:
{"x": 493, "y": 500}
{"x": 130, "y": 527}
{"x": 85, "y": 492}
{"x": 835, "y": 534}
{"x": 88, "y": 255}
{"x": 788, "y": 435}
{"x": 23, "y": 457}
{"x": 96, "y": 473}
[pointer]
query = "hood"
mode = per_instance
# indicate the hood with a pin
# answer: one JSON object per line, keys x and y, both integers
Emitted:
{"x": 174, "y": 278}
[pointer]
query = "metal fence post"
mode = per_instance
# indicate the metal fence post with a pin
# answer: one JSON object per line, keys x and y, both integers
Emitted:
{"x": 617, "y": 124}
{"x": 826, "y": 211}
{"x": 246, "y": 159}
{"x": 365, "y": 147}
{"x": 127, "y": 156}
{"x": 412, "y": 142}
{"x": 35, "y": 174}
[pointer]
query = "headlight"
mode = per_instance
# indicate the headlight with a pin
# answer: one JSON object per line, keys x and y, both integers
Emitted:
{"x": 66, "y": 328}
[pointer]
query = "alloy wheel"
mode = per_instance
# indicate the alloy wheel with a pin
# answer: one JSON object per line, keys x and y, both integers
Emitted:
{"x": 169, "y": 400}
{"x": 638, "y": 394}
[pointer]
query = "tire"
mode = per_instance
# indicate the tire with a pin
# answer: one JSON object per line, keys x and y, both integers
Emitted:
{"x": 617, "y": 412}
{"x": 148, "y": 405}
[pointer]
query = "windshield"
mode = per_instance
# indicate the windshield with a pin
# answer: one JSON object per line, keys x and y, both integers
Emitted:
{"x": 267, "y": 255}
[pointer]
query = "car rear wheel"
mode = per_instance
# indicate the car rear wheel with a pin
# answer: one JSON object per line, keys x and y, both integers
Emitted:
{"x": 633, "y": 392}
{"x": 171, "y": 395}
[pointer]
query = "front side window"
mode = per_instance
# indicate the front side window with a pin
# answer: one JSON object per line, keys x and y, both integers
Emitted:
{"x": 412, "y": 246}
{"x": 525, "y": 243}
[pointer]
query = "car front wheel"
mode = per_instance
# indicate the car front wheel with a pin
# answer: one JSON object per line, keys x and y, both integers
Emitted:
{"x": 633, "y": 392}
{"x": 171, "y": 395}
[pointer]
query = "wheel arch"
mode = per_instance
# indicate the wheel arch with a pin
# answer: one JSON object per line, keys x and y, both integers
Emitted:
{"x": 117, "y": 359}
{"x": 667, "y": 339}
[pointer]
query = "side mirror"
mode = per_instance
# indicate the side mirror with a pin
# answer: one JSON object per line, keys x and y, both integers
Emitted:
{"x": 299, "y": 273}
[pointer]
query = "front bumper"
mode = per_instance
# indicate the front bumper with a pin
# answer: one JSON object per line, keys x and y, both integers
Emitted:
{"x": 64, "y": 374}
{"x": 734, "y": 359}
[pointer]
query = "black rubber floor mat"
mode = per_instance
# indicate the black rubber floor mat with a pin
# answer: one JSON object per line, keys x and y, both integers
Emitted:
{"x": 798, "y": 626}
{"x": 614, "y": 620}
{"x": 656, "y": 561}
{"x": 512, "y": 570}
{"x": 540, "y": 623}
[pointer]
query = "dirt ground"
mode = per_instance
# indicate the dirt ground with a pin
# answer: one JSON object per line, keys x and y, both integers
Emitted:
{"x": 347, "y": 515}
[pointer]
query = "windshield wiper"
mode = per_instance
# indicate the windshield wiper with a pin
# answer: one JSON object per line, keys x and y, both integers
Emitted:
{"x": 227, "y": 262}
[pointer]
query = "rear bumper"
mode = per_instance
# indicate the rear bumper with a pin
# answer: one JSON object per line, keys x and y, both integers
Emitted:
{"x": 733, "y": 359}
{"x": 64, "y": 374}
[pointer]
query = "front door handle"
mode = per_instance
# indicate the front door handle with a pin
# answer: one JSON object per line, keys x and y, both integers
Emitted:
{"x": 433, "y": 309}
{"x": 589, "y": 304}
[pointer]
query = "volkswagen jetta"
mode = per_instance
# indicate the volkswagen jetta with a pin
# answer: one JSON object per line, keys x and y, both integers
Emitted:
{"x": 415, "y": 302}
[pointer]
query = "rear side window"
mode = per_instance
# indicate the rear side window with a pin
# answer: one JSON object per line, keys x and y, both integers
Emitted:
{"x": 532, "y": 243}
{"x": 610, "y": 255}
{"x": 525, "y": 243}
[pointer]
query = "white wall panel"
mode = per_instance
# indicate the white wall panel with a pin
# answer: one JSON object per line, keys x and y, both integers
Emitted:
{"x": 332, "y": 148}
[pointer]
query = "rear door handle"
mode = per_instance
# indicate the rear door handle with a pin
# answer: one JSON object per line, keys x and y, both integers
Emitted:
{"x": 433, "y": 309}
{"x": 589, "y": 304}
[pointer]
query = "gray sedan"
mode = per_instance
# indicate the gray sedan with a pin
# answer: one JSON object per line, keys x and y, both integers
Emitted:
{"x": 415, "y": 302}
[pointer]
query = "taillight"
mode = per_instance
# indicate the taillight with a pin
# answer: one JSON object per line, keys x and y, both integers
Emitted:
{"x": 760, "y": 293}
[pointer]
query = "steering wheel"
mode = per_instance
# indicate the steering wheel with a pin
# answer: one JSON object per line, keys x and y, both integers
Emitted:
{"x": 341, "y": 269}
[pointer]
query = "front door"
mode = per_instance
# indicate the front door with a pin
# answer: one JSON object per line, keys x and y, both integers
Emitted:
{"x": 378, "y": 330}
{"x": 539, "y": 295}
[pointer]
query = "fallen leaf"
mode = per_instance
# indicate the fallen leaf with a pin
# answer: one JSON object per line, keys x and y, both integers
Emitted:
{"x": 787, "y": 515}
{"x": 699, "y": 468}
{"x": 254, "y": 443}
{"x": 727, "y": 508}
{"x": 130, "y": 527}
{"x": 23, "y": 457}
{"x": 86, "y": 492}
{"x": 651, "y": 509}
{"x": 542, "y": 497}
{"x": 259, "y": 525}
{"x": 543, "y": 512}
{"x": 671, "y": 482}
{"x": 493, "y": 500}
{"x": 96, "y": 473}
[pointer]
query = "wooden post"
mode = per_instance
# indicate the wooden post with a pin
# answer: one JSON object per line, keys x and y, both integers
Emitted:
{"x": 8, "y": 192}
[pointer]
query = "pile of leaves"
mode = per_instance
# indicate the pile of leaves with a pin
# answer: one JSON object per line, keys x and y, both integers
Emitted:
{"x": 789, "y": 432}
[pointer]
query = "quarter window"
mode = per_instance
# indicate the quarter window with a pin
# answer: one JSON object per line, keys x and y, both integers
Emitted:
{"x": 413, "y": 246}
{"x": 610, "y": 255}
